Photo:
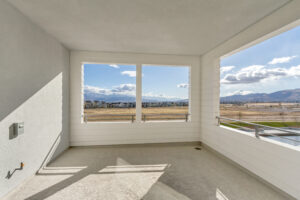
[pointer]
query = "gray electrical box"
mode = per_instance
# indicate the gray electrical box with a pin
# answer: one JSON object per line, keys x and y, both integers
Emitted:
{"x": 18, "y": 128}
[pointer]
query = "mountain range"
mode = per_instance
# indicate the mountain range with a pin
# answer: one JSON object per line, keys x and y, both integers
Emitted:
{"x": 89, "y": 95}
{"x": 279, "y": 96}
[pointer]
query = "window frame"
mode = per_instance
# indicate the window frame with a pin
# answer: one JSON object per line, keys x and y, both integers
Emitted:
{"x": 138, "y": 100}
{"x": 233, "y": 51}
{"x": 189, "y": 90}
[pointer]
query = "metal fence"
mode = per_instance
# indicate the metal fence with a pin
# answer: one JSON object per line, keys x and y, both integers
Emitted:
{"x": 109, "y": 117}
{"x": 178, "y": 116}
{"x": 261, "y": 130}
{"x": 132, "y": 117}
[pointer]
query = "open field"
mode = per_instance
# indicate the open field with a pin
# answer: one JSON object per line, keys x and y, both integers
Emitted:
{"x": 251, "y": 112}
{"x": 168, "y": 113}
{"x": 262, "y": 112}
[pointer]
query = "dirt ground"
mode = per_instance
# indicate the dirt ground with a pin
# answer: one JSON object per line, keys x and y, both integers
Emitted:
{"x": 262, "y": 112}
{"x": 176, "y": 113}
{"x": 252, "y": 112}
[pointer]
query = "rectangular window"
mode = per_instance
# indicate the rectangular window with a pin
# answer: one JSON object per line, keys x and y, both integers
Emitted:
{"x": 260, "y": 88}
{"x": 165, "y": 93}
{"x": 109, "y": 92}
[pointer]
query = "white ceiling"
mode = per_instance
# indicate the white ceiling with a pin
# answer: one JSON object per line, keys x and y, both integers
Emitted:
{"x": 187, "y": 27}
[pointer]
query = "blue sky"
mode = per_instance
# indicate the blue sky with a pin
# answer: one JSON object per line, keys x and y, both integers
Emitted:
{"x": 263, "y": 68}
{"x": 165, "y": 81}
{"x": 157, "y": 81}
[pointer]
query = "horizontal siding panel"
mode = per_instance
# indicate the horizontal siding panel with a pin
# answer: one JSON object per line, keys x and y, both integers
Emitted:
{"x": 133, "y": 135}
{"x": 133, "y": 141}
{"x": 139, "y": 132}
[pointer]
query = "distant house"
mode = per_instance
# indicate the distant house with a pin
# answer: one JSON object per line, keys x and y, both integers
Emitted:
{"x": 123, "y": 105}
{"x": 103, "y": 104}
{"x": 88, "y": 104}
{"x": 96, "y": 104}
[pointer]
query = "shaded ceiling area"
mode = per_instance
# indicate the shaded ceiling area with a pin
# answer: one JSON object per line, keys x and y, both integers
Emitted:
{"x": 182, "y": 27}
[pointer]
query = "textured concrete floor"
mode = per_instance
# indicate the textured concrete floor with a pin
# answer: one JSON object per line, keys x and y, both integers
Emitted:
{"x": 162, "y": 172}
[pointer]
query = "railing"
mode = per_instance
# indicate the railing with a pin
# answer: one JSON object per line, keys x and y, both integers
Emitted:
{"x": 185, "y": 116}
{"x": 260, "y": 130}
{"x": 132, "y": 116}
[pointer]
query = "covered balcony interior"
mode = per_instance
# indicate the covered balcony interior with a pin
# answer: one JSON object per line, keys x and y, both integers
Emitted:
{"x": 52, "y": 147}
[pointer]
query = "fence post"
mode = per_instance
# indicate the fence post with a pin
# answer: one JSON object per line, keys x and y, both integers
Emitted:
{"x": 186, "y": 117}
{"x": 132, "y": 120}
{"x": 219, "y": 121}
{"x": 256, "y": 131}
{"x": 144, "y": 117}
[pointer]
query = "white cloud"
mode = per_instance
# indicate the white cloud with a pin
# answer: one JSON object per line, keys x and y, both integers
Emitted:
{"x": 183, "y": 85}
{"x": 252, "y": 68}
{"x": 239, "y": 92}
{"x": 257, "y": 73}
{"x": 226, "y": 69}
{"x": 114, "y": 66}
{"x": 123, "y": 89}
{"x": 150, "y": 94}
{"x": 294, "y": 71}
{"x": 94, "y": 89}
{"x": 281, "y": 60}
{"x": 129, "y": 73}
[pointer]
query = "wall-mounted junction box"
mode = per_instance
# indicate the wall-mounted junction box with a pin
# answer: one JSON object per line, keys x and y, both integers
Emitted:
{"x": 18, "y": 128}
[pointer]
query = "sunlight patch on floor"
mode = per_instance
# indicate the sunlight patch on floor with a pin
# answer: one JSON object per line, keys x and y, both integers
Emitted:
{"x": 60, "y": 170}
{"x": 162, "y": 191}
{"x": 220, "y": 195}
{"x": 114, "y": 182}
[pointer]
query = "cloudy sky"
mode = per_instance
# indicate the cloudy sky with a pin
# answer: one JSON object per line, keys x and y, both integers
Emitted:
{"x": 264, "y": 68}
{"x": 157, "y": 81}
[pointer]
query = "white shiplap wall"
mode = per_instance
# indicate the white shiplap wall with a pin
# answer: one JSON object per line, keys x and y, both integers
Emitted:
{"x": 129, "y": 133}
{"x": 34, "y": 89}
{"x": 276, "y": 163}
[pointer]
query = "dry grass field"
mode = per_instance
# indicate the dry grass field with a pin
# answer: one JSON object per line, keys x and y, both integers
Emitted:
{"x": 251, "y": 112}
{"x": 107, "y": 114}
{"x": 262, "y": 112}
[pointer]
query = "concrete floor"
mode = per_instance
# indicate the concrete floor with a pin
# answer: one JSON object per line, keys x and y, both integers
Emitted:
{"x": 145, "y": 172}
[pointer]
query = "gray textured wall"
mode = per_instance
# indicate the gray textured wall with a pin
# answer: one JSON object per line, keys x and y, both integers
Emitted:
{"x": 33, "y": 89}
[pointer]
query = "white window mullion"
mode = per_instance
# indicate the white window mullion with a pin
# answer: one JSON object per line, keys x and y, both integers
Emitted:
{"x": 138, "y": 93}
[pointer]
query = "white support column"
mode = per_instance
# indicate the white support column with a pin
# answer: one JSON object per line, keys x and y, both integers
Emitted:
{"x": 191, "y": 70}
{"x": 138, "y": 92}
